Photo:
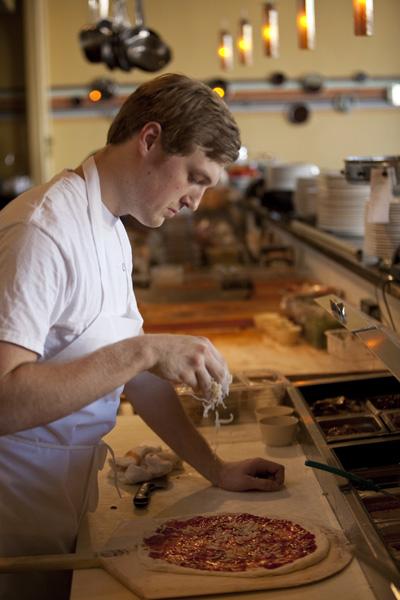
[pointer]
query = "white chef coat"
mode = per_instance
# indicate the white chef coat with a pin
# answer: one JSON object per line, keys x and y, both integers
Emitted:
{"x": 49, "y": 474}
{"x": 50, "y": 296}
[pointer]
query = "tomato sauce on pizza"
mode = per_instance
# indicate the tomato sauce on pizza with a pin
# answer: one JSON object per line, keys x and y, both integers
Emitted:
{"x": 231, "y": 542}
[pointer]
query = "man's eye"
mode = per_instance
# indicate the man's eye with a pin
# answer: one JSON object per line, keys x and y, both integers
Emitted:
{"x": 195, "y": 180}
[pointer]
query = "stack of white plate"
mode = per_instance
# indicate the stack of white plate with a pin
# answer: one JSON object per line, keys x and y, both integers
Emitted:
{"x": 341, "y": 205}
{"x": 305, "y": 196}
{"x": 283, "y": 176}
{"x": 383, "y": 239}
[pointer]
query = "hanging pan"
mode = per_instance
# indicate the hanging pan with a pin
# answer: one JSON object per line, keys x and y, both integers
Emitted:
{"x": 145, "y": 48}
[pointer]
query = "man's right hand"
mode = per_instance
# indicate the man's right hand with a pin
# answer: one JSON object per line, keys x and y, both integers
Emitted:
{"x": 34, "y": 393}
{"x": 187, "y": 359}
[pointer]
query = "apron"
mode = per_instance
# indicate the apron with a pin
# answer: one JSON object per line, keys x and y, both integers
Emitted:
{"x": 49, "y": 474}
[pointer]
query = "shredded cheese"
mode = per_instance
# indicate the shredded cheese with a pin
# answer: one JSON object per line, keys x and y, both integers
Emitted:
{"x": 215, "y": 400}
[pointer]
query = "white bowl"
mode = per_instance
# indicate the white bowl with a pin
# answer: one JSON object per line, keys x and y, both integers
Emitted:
{"x": 278, "y": 431}
{"x": 273, "y": 411}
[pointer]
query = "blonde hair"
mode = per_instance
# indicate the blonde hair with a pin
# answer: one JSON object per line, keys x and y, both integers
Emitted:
{"x": 190, "y": 114}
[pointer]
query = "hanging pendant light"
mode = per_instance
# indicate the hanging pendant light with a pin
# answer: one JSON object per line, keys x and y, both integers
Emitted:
{"x": 245, "y": 42}
{"x": 225, "y": 50}
{"x": 306, "y": 24}
{"x": 363, "y": 17}
{"x": 270, "y": 31}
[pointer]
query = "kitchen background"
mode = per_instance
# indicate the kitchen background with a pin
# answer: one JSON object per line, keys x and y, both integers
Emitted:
{"x": 40, "y": 53}
{"x": 234, "y": 271}
{"x": 47, "y": 123}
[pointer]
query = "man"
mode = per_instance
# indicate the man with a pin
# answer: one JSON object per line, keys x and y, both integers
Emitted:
{"x": 71, "y": 334}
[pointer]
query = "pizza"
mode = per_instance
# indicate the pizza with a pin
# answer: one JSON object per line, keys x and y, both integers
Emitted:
{"x": 232, "y": 544}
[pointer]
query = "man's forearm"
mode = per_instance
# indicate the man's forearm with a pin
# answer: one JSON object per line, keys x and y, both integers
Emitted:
{"x": 36, "y": 393}
{"x": 156, "y": 402}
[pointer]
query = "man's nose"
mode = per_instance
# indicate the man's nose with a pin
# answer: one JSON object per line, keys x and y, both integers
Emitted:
{"x": 192, "y": 201}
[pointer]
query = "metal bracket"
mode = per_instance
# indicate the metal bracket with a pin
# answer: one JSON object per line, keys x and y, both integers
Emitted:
{"x": 378, "y": 339}
{"x": 338, "y": 310}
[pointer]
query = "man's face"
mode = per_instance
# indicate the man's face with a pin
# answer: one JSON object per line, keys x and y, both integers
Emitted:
{"x": 170, "y": 182}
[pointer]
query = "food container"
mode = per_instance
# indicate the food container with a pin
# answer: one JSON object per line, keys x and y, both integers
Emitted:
{"x": 339, "y": 405}
{"x": 232, "y": 412}
{"x": 315, "y": 325}
{"x": 386, "y": 476}
{"x": 278, "y": 328}
{"x": 234, "y": 402}
{"x": 372, "y": 458}
{"x": 193, "y": 408}
{"x": 264, "y": 388}
{"x": 238, "y": 381}
{"x": 344, "y": 344}
{"x": 382, "y": 508}
{"x": 390, "y": 533}
{"x": 358, "y": 168}
{"x": 278, "y": 431}
{"x": 273, "y": 411}
{"x": 350, "y": 427}
{"x": 372, "y": 392}
{"x": 265, "y": 377}
{"x": 391, "y": 418}
{"x": 383, "y": 402}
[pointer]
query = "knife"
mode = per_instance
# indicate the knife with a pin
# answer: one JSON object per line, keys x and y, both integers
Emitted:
{"x": 145, "y": 489}
{"x": 362, "y": 482}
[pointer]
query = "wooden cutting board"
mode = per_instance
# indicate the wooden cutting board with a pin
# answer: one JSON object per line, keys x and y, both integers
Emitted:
{"x": 120, "y": 560}
{"x": 149, "y": 584}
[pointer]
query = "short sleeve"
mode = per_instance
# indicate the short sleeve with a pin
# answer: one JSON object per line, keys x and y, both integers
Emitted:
{"x": 33, "y": 285}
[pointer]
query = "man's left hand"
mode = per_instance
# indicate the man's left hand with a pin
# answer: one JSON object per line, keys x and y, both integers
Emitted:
{"x": 251, "y": 474}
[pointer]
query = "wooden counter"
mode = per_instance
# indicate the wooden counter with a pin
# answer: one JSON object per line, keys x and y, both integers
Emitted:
{"x": 229, "y": 325}
{"x": 190, "y": 493}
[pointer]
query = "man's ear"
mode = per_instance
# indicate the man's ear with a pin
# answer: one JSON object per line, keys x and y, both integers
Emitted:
{"x": 148, "y": 136}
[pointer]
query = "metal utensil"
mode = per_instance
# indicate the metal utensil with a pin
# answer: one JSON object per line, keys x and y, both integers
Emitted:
{"x": 146, "y": 50}
{"x": 380, "y": 567}
{"x": 362, "y": 482}
{"x": 378, "y": 339}
{"x": 144, "y": 491}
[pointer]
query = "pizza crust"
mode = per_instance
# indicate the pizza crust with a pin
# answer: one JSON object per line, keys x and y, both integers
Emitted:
{"x": 322, "y": 549}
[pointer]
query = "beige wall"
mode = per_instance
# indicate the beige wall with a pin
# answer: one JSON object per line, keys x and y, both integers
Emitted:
{"x": 191, "y": 29}
{"x": 326, "y": 139}
{"x": 75, "y": 139}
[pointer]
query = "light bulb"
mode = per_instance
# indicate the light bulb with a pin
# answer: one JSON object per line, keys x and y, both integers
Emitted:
{"x": 306, "y": 24}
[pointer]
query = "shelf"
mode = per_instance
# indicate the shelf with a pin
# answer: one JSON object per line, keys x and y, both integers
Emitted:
{"x": 345, "y": 251}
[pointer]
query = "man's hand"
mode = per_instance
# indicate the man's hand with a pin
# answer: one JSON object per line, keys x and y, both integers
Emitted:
{"x": 251, "y": 474}
{"x": 186, "y": 359}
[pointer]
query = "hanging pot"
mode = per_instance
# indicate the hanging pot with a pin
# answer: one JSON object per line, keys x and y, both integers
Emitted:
{"x": 119, "y": 45}
{"x": 343, "y": 103}
{"x": 312, "y": 83}
{"x": 358, "y": 168}
{"x": 96, "y": 41}
{"x": 298, "y": 113}
{"x": 277, "y": 78}
{"x": 144, "y": 47}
